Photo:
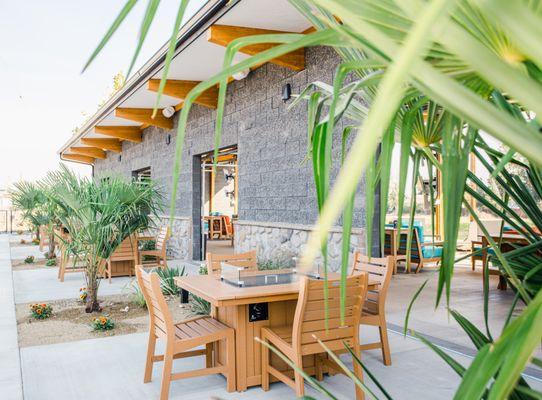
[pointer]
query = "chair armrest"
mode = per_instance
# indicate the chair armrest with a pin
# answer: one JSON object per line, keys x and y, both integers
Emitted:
{"x": 143, "y": 238}
{"x": 149, "y": 252}
{"x": 435, "y": 243}
{"x": 437, "y": 238}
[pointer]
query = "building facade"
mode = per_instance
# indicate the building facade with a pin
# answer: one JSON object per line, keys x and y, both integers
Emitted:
{"x": 275, "y": 192}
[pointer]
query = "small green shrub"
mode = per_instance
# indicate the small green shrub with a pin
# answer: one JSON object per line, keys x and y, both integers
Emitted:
{"x": 35, "y": 241}
{"x": 102, "y": 323}
{"x": 41, "y": 311}
{"x": 136, "y": 295}
{"x": 50, "y": 262}
{"x": 199, "y": 306}
{"x": 148, "y": 245}
{"x": 167, "y": 280}
{"x": 203, "y": 269}
{"x": 29, "y": 260}
{"x": 264, "y": 265}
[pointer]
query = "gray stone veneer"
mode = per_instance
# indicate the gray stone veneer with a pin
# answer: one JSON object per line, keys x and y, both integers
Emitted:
{"x": 278, "y": 242}
{"x": 179, "y": 244}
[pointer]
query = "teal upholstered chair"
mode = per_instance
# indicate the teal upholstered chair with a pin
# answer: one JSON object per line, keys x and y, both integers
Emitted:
{"x": 422, "y": 250}
{"x": 476, "y": 245}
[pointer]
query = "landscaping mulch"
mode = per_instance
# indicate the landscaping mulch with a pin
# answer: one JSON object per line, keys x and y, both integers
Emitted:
{"x": 20, "y": 265}
{"x": 70, "y": 322}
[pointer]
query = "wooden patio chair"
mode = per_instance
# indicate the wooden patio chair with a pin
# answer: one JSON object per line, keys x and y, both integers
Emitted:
{"x": 68, "y": 262}
{"x": 421, "y": 252}
{"x": 160, "y": 249}
{"x": 228, "y": 227}
{"x": 248, "y": 260}
{"x": 374, "y": 313}
{"x": 44, "y": 237}
{"x": 180, "y": 339}
{"x": 309, "y": 323}
{"x": 125, "y": 257}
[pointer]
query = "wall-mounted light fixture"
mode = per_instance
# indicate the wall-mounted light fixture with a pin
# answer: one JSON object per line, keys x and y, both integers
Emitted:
{"x": 286, "y": 92}
{"x": 228, "y": 176}
{"x": 241, "y": 74}
{"x": 120, "y": 157}
{"x": 168, "y": 112}
{"x": 168, "y": 139}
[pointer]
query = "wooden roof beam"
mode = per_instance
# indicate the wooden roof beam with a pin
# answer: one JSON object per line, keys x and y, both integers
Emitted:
{"x": 180, "y": 89}
{"x": 79, "y": 158}
{"x": 89, "y": 151}
{"x": 144, "y": 115}
{"x": 224, "y": 34}
{"x": 104, "y": 144}
{"x": 130, "y": 133}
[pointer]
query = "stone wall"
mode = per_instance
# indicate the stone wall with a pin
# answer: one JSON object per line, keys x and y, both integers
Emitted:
{"x": 275, "y": 184}
{"x": 179, "y": 244}
{"x": 279, "y": 243}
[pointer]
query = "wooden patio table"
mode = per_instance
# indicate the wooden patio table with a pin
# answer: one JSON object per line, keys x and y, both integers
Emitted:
{"x": 506, "y": 245}
{"x": 233, "y": 306}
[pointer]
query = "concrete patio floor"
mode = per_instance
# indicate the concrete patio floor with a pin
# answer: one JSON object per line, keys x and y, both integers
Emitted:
{"x": 111, "y": 368}
{"x": 466, "y": 297}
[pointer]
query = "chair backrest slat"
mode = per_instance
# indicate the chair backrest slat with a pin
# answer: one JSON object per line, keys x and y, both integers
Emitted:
{"x": 162, "y": 238}
{"x": 309, "y": 320}
{"x": 161, "y": 322}
{"x": 415, "y": 244}
{"x": 379, "y": 270}
{"x": 246, "y": 260}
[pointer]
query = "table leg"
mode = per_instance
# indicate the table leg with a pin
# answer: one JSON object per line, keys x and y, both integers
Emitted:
{"x": 240, "y": 349}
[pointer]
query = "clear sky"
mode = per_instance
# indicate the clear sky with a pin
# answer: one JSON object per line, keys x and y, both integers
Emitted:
{"x": 43, "y": 95}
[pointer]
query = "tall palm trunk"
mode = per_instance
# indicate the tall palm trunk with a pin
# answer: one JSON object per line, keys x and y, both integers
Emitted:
{"x": 92, "y": 287}
{"x": 52, "y": 245}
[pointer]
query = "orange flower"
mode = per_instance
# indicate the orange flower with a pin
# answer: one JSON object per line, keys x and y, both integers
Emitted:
{"x": 38, "y": 311}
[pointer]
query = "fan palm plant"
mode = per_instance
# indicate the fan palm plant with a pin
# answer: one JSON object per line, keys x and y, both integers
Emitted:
{"x": 33, "y": 200}
{"x": 99, "y": 215}
{"x": 457, "y": 54}
{"x": 27, "y": 198}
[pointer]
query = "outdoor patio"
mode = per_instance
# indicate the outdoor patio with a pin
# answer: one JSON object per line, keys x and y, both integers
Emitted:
{"x": 116, "y": 363}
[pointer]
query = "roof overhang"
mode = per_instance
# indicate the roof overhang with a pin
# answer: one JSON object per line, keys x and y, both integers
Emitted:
{"x": 199, "y": 55}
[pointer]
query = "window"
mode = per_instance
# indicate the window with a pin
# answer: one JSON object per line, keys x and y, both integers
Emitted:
{"x": 142, "y": 175}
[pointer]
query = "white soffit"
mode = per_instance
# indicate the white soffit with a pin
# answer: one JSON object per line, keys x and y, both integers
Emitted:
{"x": 143, "y": 98}
{"x": 277, "y": 15}
{"x": 201, "y": 60}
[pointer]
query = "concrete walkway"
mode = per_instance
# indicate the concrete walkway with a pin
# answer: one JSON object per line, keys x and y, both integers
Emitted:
{"x": 42, "y": 284}
{"x": 10, "y": 366}
{"x": 112, "y": 368}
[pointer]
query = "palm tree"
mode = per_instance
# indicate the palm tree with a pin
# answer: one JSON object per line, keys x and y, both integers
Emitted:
{"x": 99, "y": 214}
{"x": 27, "y": 198}
{"x": 33, "y": 200}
